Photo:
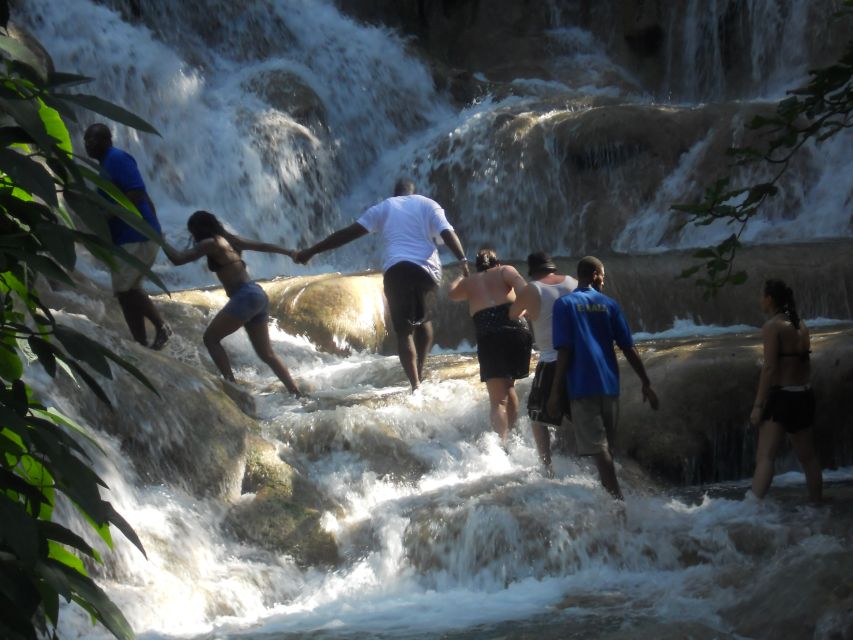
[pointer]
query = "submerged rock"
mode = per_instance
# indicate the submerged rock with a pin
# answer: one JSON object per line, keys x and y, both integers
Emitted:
{"x": 281, "y": 511}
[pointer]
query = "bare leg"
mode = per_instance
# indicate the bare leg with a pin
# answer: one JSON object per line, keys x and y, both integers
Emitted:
{"x": 423, "y": 343}
{"x": 259, "y": 335}
{"x": 803, "y": 442}
{"x": 408, "y": 358}
{"x": 770, "y": 435}
{"x": 511, "y": 405}
{"x": 498, "y": 389}
{"x": 162, "y": 330}
{"x": 134, "y": 315}
{"x": 607, "y": 474}
{"x": 224, "y": 324}
{"x": 543, "y": 441}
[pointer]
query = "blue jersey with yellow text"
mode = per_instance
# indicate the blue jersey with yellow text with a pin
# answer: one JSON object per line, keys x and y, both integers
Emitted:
{"x": 589, "y": 323}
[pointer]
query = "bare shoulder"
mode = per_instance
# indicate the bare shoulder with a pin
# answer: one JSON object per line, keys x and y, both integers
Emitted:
{"x": 208, "y": 245}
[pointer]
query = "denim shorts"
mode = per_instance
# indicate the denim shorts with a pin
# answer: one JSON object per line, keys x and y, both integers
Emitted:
{"x": 249, "y": 303}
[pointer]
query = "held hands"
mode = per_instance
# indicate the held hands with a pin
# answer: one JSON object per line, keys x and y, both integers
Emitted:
{"x": 302, "y": 256}
{"x": 651, "y": 396}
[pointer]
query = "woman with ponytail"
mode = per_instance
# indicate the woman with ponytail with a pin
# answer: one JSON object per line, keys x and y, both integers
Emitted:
{"x": 784, "y": 402}
{"x": 248, "y": 302}
{"x": 503, "y": 344}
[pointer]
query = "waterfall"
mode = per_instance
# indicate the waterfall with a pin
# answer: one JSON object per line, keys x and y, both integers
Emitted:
{"x": 287, "y": 118}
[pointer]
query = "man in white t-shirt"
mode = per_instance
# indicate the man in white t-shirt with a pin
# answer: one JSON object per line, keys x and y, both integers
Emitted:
{"x": 409, "y": 225}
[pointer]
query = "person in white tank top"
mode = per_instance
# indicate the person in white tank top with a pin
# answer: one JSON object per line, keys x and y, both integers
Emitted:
{"x": 536, "y": 301}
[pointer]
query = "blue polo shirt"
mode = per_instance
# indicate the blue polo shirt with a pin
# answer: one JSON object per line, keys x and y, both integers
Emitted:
{"x": 120, "y": 168}
{"x": 588, "y": 323}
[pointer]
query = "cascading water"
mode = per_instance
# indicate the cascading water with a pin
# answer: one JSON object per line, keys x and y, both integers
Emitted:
{"x": 288, "y": 118}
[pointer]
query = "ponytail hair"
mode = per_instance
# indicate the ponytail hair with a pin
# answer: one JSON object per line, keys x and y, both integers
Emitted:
{"x": 783, "y": 298}
{"x": 486, "y": 259}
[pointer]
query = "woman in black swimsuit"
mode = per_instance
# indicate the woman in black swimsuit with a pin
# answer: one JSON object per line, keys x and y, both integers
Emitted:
{"x": 503, "y": 344}
{"x": 784, "y": 402}
{"x": 248, "y": 302}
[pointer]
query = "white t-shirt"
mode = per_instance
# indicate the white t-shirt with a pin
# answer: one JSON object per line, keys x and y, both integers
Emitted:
{"x": 410, "y": 228}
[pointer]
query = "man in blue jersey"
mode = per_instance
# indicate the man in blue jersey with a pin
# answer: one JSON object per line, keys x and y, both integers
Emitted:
{"x": 586, "y": 324}
{"x": 408, "y": 224}
{"x": 120, "y": 168}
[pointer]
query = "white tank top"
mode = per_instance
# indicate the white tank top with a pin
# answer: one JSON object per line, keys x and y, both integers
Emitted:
{"x": 542, "y": 328}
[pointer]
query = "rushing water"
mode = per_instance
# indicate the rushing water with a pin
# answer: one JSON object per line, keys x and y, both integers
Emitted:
{"x": 441, "y": 532}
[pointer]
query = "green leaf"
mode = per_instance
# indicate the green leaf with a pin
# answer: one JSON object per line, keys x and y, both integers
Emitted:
{"x": 26, "y": 114}
{"x": 58, "y": 240}
{"x": 45, "y": 353}
{"x": 55, "y": 127}
{"x": 108, "y": 109}
{"x": 42, "y": 265}
{"x": 59, "y": 79}
{"x": 11, "y": 367}
{"x": 19, "y": 531}
{"x": 90, "y": 382}
{"x": 28, "y": 175}
{"x": 60, "y": 419}
{"x": 81, "y": 347}
{"x": 18, "y": 51}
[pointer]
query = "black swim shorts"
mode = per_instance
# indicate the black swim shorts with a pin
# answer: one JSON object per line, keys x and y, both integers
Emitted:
{"x": 540, "y": 391}
{"x": 504, "y": 354}
{"x": 407, "y": 286}
{"x": 792, "y": 408}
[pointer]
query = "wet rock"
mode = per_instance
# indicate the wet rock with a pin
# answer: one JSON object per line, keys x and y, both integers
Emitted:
{"x": 788, "y": 599}
{"x": 706, "y": 390}
{"x": 272, "y": 521}
{"x": 288, "y": 92}
{"x": 337, "y": 312}
{"x": 280, "y": 511}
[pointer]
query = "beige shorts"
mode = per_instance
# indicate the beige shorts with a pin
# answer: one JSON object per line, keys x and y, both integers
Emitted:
{"x": 125, "y": 276}
{"x": 595, "y": 419}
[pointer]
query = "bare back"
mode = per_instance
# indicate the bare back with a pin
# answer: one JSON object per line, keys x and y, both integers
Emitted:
{"x": 489, "y": 288}
{"x": 225, "y": 261}
{"x": 788, "y": 349}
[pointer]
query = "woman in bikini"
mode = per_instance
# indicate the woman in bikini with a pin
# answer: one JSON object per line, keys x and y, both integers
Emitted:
{"x": 784, "y": 402}
{"x": 248, "y": 303}
{"x": 503, "y": 344}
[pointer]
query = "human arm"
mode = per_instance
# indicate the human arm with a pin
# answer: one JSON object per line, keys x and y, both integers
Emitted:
{"x": 198, "y": 250}
{"x": 768, "y": 371}
{"x": 556, "y": 398}
{"x": 527, "y": 303}
{"x": 458, "y": 291}
{"x": 338, "y": 239}
{"x": 633, "y": 358}
{"x": 455, "y": 245}
{"x": 243, "y": 244}
{"x": 512, "y": 278}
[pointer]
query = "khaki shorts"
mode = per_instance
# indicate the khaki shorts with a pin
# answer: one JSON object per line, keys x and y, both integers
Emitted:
{"x": 595, "y": 419}
{"x": 125, "y": 276}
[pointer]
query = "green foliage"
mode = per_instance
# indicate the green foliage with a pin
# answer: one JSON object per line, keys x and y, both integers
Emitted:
{"x": 817, "y": 111}
{"x": 41, "y": 455}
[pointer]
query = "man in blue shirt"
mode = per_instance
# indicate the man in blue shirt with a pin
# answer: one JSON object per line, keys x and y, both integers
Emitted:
{"x": 120, "y": 168}
{"x": 586, "y": 324}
